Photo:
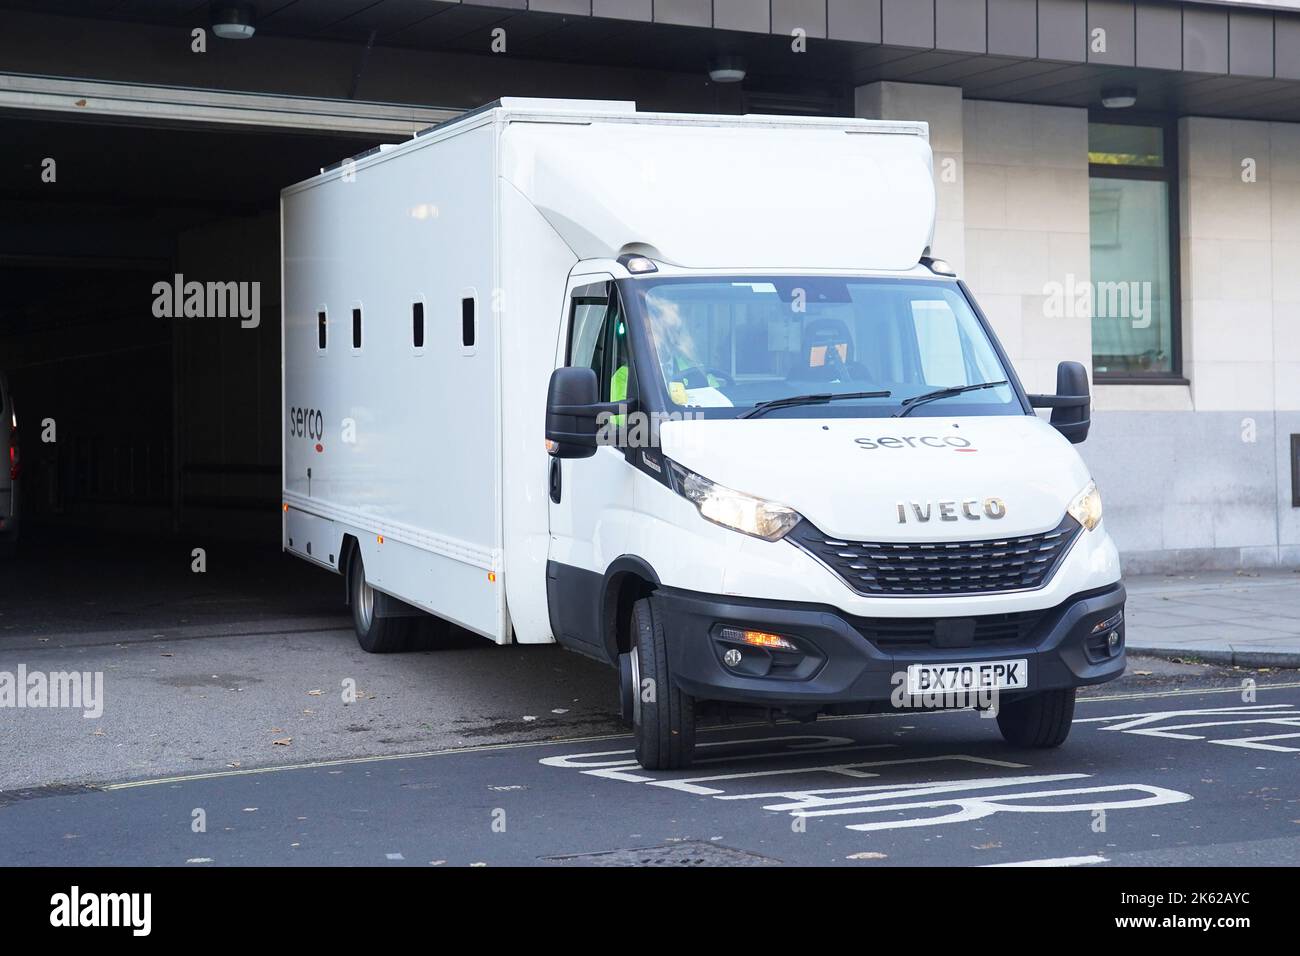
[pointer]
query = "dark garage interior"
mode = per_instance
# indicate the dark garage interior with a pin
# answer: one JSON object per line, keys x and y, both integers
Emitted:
{"x": 160, "y": 424}
{"x": 165, "y": 432}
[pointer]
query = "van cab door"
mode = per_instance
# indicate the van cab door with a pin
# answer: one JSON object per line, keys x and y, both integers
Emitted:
{"x": 590, "y": 498}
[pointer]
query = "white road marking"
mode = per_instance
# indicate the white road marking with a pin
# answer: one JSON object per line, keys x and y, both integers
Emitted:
{"x": 693, "y": 784}
{"x": 896, "y": 797}
{"x": 976, "y": 808}
{"x": 802, "y": 801}
{"x": 1058, "y": 861}
{"x": 1280, "y": 715}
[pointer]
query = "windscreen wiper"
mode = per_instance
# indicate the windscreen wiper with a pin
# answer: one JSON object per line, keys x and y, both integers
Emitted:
{"x": 911, "y": 403}
{"x": 763, "y": 408}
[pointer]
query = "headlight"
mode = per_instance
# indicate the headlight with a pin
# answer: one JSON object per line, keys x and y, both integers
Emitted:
{"x": 1086, "y": 506}
{"x": 733, "y": 509}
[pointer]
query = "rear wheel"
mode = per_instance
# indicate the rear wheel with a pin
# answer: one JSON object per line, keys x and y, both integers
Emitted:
{"x": 663, "y": 715}
{"x": 1040, "y": 721}
{"x": 376, "y": 635}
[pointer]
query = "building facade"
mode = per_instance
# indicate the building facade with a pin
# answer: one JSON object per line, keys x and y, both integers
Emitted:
{"x": 1119, "y": 184}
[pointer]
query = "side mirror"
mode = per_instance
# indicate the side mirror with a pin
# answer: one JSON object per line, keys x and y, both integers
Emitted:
{"x": 571, "y": 410}
{"x": 1071, "y": 405}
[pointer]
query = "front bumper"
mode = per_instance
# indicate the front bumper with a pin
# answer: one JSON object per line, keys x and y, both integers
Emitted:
{"x": 846, "y": 660}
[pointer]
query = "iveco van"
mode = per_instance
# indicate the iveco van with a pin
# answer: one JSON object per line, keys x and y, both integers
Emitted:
{"x": 690, "y": 395}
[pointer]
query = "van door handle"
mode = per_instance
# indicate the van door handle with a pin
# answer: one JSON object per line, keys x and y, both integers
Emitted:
{"x": 555, "y": 480}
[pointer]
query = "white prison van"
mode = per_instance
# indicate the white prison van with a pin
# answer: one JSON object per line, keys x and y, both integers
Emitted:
{"x": 687, "y": 394}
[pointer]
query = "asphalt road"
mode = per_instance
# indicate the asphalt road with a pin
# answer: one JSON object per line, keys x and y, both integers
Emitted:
{"x": 1198, "y": 777}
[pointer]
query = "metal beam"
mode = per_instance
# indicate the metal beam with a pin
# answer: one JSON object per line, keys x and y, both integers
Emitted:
{"x": 169, "y": 104}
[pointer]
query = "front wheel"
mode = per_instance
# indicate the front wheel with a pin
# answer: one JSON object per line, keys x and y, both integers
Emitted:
{"x": 663, "y": 715}
{"x": 1039, "y": 721}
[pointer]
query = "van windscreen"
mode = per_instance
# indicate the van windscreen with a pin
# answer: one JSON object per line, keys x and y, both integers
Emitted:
{"x": 733, "y": 342}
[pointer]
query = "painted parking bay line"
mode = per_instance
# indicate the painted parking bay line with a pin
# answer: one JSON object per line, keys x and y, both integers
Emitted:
{"x": 1057, "y": 861}
{"x": 1152, "y": 724}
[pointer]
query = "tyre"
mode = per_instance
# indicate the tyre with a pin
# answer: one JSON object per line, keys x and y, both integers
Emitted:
{"x": 376, "y": 635}
{"x": 1041, "y": 720}
{"x": 663, "y": 716}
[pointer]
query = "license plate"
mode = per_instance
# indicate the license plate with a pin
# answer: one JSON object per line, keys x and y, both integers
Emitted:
{"x": 976, "y": 675}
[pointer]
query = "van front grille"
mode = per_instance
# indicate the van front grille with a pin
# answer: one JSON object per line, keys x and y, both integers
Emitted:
{"x": 985, "y": 630}
{"x": 987, "y": 566}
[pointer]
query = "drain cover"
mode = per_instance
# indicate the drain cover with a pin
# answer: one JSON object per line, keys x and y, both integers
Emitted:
{"x": 695, "y": 853}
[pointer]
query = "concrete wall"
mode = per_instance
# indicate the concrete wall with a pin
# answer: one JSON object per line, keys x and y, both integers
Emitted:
{"x": 1193, "y": 475}
{"x": 1026, "y": 228}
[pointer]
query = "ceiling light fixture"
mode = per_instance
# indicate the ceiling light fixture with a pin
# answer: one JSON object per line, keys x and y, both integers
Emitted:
{"x": 1119, "y": 97}
{"x": 727, "y": 69}
{"x": 234, "y": 21}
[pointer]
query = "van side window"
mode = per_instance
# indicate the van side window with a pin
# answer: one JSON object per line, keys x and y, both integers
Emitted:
{"x": 356, "y": 327}
{"x": 598, "y": 340}
{"x": 322, "y": 328}
{"x": 467, "y": 322}
{"x": 417, "y": 325}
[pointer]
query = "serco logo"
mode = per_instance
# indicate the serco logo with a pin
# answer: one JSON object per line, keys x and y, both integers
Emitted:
{"x": 953, "y": 442}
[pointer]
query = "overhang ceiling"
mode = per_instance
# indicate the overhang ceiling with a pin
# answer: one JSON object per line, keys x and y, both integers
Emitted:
{"x": 1215, "y": 59}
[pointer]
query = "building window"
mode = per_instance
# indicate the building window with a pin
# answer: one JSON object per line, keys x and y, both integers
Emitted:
{"x": 322, "y": 330}
{"x": 1134, "y": 241}
{"x": 356, "y": 327}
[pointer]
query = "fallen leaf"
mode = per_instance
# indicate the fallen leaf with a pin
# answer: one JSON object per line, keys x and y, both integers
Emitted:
{"x": 867, "y": 855}
{"x": 314, "y": 693}
{"x": 1142, "y": 673}
{"x": 986, "y": 846}
{"x": 283, "y": 741}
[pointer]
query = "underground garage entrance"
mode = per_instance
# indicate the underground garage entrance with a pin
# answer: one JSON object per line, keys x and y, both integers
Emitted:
{"x": 143, "y": 437}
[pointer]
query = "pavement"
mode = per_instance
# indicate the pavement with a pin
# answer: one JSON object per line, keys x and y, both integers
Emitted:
{"x": 1241, "y": 618}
